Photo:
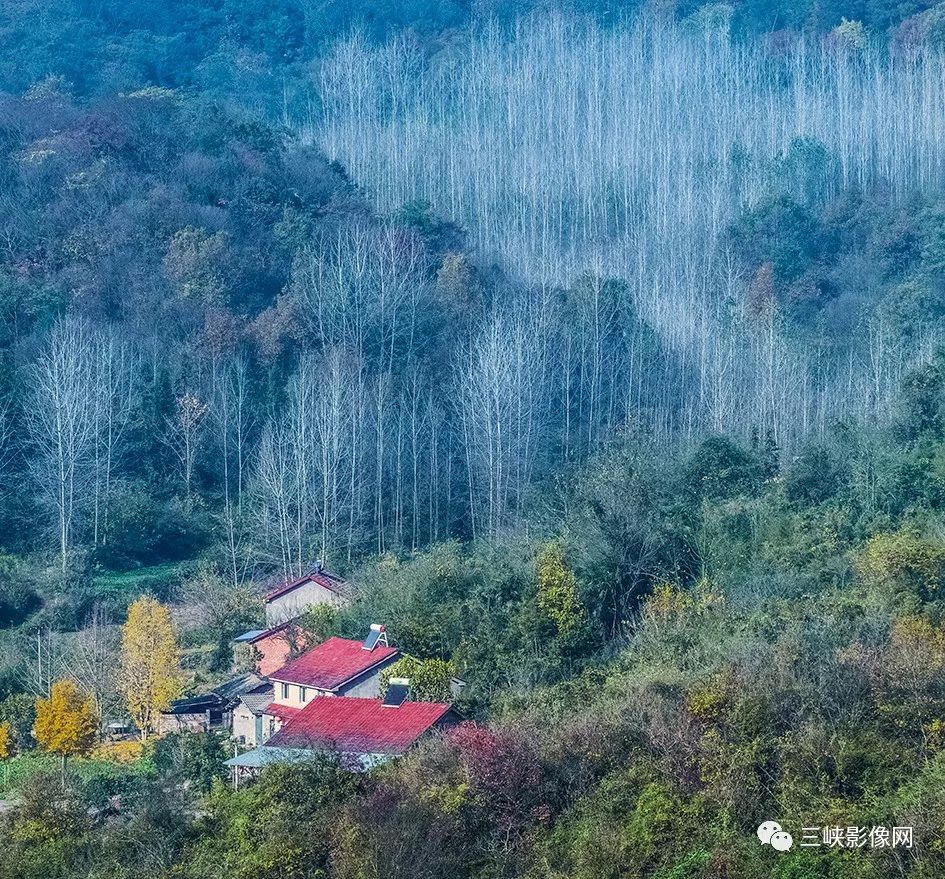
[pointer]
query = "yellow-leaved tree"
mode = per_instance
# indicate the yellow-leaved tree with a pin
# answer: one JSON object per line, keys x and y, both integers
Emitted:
{"x": 903, "y": 565}
{"x": 6, "y": 741}
{"x": 558, "y": 598}
{"x": 6, "y": 749}
{"x": 65, "y": 722}
{"x": 150, "y": 676}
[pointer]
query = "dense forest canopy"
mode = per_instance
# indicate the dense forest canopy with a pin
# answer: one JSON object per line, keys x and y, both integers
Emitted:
{"x": 597, "y": 345}
{"x": 251, "y": 49}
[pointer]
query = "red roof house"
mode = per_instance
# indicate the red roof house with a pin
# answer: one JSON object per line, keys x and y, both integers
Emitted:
{"x": 283, "y": 713}
{"x": 336, "y": 667}
{"x": 334, "y": 664}
{"x": 272, "y": 717}
{"x": 364, "y": 727}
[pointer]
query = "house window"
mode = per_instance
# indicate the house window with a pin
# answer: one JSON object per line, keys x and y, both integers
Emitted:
{"x": 302, "y": 694}
{"x": 285, "y": 691}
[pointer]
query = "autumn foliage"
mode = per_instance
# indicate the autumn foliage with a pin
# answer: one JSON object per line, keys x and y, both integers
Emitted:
{"x": 558, "y": 597}
{"x": 65, "y": 722}
{"x": 6, "y": 741}
{"x": 150, "y": 675}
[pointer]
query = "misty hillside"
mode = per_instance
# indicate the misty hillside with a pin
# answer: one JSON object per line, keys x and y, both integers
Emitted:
{"x": 594, "y": 347}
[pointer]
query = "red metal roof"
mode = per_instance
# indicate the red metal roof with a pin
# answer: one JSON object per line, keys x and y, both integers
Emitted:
{"x": 283, "y": 712}
{"x": 322, "y": 578}
{"x": 331, "y": 663}
{"x": 358, "y": 726}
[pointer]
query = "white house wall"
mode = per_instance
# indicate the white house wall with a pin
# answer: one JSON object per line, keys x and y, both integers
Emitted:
{"x": 296, "y": 602}
{"x": 244, "y": 725}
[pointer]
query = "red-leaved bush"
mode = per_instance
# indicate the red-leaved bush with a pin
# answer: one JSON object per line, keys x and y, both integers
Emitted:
{"x": 505, "y": 774}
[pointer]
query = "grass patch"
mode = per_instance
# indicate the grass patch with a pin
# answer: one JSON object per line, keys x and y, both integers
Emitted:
{"x": 107, "y": 775}
{"x": 120, "y": 587}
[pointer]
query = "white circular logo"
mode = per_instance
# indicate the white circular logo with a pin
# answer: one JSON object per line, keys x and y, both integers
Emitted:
{"x": 770, "y": 833}
{"x": 766, "y": 830}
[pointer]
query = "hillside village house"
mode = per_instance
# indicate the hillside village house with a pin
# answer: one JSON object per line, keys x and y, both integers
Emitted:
{"x": 211, "y": 711}
{"x": 363, "y": 732}
{"x": 271, "y": 647}
{"x": 328, "y": 700}
{"x": 336, "y": 667}
{"x": 291, "y": 600}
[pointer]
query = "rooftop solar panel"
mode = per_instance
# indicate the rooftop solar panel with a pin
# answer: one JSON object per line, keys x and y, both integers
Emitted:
{"x": 371, "y": 641}
{"x": 396, "y": 695}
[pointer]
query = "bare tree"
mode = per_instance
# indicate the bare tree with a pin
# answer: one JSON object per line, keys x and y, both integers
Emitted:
{"x": 273, "y": 498}
{"x": 501, "y": 390}
{"x": 6, "y": 448}
{"x": 93, "y": 662}
{"x": 626, "y": 152}
{"x": 61, "y": 421}
{"x": 184, "y": 435}
{"x": 46, "y": 651}
{"x": 113, "y": 374}
{"x": 233, "y": 421}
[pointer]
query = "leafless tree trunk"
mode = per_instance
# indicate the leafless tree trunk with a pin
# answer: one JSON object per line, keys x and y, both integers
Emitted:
{"x": 93, "y": 662}
{"x": 568, "y": 148}
{"x": 114, "y": 390}
{"x": 231, "y": 417}
{"x": 184, "y": 435}
{"x": 61, "y": 421}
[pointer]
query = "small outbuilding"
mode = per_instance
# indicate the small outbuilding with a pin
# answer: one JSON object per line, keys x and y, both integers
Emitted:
{"x": 210, "y": 711}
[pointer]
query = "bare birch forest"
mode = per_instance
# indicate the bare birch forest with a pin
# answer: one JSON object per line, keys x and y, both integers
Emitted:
{"x": 568, "y": 149}
{"x": 323, "y": 376}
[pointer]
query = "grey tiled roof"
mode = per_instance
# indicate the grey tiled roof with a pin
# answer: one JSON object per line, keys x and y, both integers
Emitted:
{"x": 232, "y": 689}
{"x": 263, "y": 756}
{"x": 248, "y": 636}
{"x": 257, "y": 699}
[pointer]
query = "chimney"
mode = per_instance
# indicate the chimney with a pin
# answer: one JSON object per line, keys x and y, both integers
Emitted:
{"x": 398, "y": 692}
{"x": 376, "y": 635}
